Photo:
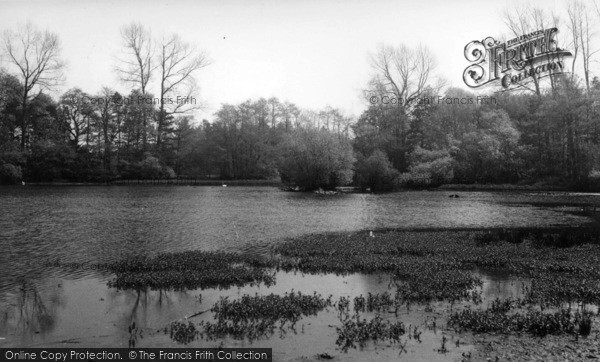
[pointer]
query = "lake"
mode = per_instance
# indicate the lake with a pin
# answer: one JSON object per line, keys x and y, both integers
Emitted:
{"x": 54, "y": 241}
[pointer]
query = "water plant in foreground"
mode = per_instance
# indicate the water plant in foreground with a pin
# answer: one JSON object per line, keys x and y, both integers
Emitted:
{"x": 426, "y": 284}
{"x": 501, "y": 317}
{"x": 555, "y": 290}
{"x": 355, "y": 330}
{"x": 256, "y": 316}
{"x": 183, "y": 333}
{"x": 190, "y": 270}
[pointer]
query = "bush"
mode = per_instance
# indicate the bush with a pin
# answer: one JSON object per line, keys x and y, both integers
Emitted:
{"x": 415, "y": 180}
{"x": 428, "y": 168}
{"x": 376, "y": 172}
{"x": 168, "y": 172}
{"x": 10, "y": 174}
{"x": 314, "y": 159}
{"x": 436, "y": 164}
{"x": 594, "y": 180}
{"x": 149, "y": 168}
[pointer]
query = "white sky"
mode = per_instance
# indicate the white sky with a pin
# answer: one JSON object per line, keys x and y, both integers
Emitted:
{"x": 312, "y": 53}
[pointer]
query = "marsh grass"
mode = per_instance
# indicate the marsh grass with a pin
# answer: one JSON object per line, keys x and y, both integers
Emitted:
{"x": 359, "y": 331}
{"x": 503, "y": 317}
{"x": 427, "y": 266}
{"x": 190, "y": 270}
{"x": 181, "y": 332}
{"x": 556, "y": 290}
{"x": 257, "y": 316}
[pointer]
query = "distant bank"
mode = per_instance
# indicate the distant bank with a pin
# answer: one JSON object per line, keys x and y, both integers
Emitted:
{"x": 277, "y": 183}
{"x": 501, "y": 187}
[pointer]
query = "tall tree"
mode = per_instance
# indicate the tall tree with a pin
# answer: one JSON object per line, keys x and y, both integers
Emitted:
{"x": 402, "y": 75}
{"x": 76, "y": 110}
{"x": 136, "y": 66}
{"x": 178, "y": 63}
{"x": 522, "y": 20}
{"x": 36, "y": 56}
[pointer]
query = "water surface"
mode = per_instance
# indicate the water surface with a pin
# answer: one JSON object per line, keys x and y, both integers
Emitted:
{"x": 55, "y": 240}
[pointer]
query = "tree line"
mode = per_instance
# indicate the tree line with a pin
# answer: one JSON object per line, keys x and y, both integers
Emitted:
{"x": 541, "y": 134}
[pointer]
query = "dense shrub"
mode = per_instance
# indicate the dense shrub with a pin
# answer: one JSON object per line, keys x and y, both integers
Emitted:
{"x": 428, "y": 168}
{"x": 313, "y": 159}
{"x": 376, "y": 172}
{"x": 10, "y": 174}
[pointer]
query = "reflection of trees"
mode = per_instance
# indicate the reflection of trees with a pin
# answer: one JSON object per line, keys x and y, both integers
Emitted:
{"x": 143, "y": 310}
{"x": 30, "y": 313}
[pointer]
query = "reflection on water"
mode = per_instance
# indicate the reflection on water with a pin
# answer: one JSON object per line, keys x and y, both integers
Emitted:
{"x": 501, "y": 284}
{"x": 81, "y": 228}
{"x": 28, "y": 312}
{"x": 84, "y": 312}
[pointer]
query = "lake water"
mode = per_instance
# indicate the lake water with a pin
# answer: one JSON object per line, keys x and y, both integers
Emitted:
{"x": 42, "y": 304}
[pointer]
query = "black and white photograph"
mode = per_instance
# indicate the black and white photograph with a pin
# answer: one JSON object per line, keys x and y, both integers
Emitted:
{"x": 300, "y": 180}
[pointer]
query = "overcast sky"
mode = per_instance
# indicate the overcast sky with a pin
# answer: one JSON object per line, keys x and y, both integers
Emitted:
{"x": 313, "y": 53}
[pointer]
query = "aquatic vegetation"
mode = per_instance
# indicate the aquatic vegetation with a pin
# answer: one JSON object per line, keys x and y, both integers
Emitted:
{"x": 521, "y": 251}
{"x": 426, "y": 266}
{"x": 182, "y": 332}
{"x": 501, "y": 317}
{"x": 561, "y": 238}
{"x": 443, "y": 348}
{"x": 359, "y": 304}
{"x": 425, "y": 284}
{"x": 556, "y": 290}
{"x": 343, "y": 305}
{"x": 256, "y": 316}
{"x": 355, "y": 330}
{"x": 379, "y": 302}
{"x": 190, "y": 270}
{"x": 289, "y": 307}
{"x": 373, "y": 302}
{"x": 403, "y": 253}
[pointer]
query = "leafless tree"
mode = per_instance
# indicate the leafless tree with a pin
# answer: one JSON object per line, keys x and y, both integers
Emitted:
{"x": 401, "y": 71}
{"x": 36, "y": 56}
{"x": 581, "y": 28}
{"x": 177, "y": 64}
{"x": 524, "y": 20}
{"x": 135, "y": 67}
{"x": 402, "y": 74}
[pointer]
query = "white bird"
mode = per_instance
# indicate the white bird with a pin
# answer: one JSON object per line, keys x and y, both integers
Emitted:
{"x": 224, "y": 185}
{"x": 23, "y": 183}
{"x": 371, "y": 234}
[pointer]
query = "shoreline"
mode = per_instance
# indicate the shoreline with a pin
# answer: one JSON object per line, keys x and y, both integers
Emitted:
{"x": 343, "y": 189}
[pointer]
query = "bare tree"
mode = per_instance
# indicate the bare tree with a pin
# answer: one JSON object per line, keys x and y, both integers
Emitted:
{"x": 36, "y": 56}
{"x": 136, "y": 66}
{"x": 402, "y": 71}
{"x": 177, "y": 64}
{"x": 582, "y": 37}
{"x": 524, "y": 20}
{"x": 573, "y": 10}
{"x": 402, "y": 74}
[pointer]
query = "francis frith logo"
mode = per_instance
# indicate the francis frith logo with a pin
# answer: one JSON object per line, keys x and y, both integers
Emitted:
{"x": 515, "y": 62}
